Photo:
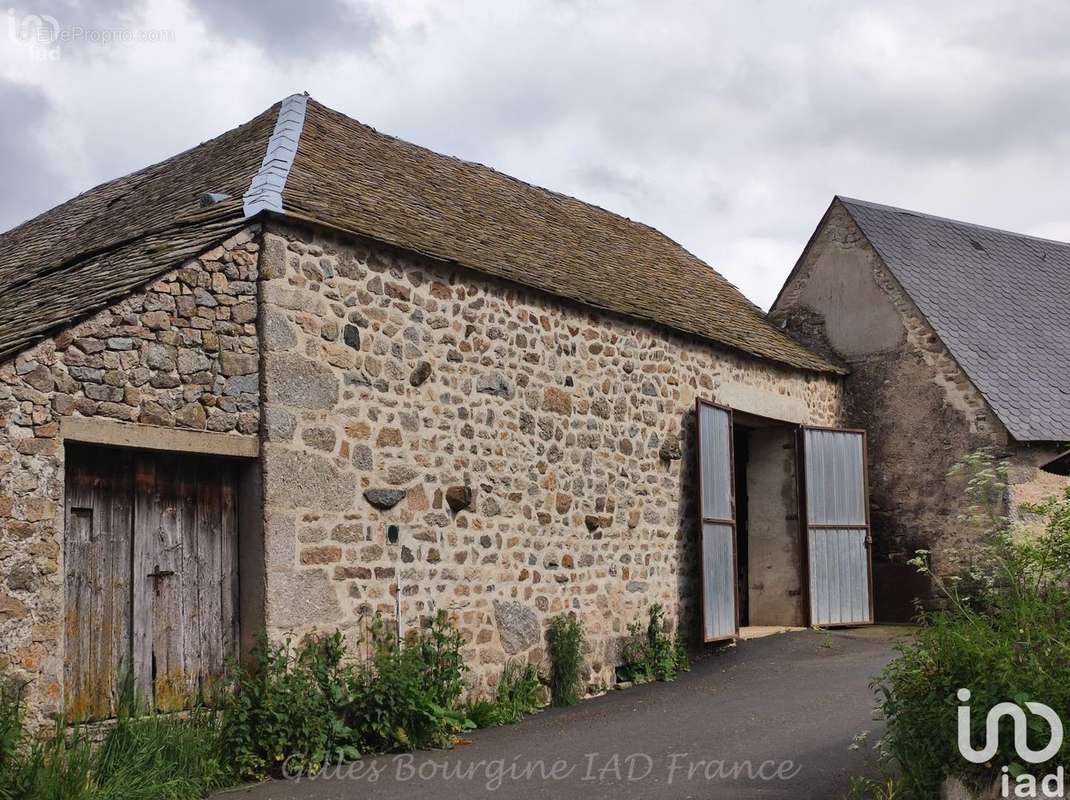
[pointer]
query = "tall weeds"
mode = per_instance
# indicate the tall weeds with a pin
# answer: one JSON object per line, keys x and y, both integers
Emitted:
{"x": 1004, "y": 634}
{"x": 650, "y": 652}
{"x": 303, "y": 706}
{"x": 565, "y": 639}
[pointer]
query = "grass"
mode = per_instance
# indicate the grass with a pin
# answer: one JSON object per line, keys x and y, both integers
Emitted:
{"x": 145, "y": 756}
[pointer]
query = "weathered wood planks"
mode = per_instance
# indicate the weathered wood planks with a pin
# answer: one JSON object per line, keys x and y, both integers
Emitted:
{"x": 151, "y": 551}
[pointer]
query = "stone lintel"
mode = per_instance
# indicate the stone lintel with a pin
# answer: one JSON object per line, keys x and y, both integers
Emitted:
{"x": 763, "y": 403}
{"x": 154, "y": 437}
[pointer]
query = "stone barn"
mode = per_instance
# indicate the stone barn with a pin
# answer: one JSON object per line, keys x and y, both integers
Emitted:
{"x": 956, "y": 339}
{"x": 305, "y": 373}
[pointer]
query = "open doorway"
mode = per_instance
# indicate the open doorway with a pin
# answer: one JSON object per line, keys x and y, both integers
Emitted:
{"x": 784, "y": 525}
{"x": 770, "y": 559}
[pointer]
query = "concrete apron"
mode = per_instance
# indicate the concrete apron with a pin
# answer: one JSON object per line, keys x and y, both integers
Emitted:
{"x": 761, "y": 631}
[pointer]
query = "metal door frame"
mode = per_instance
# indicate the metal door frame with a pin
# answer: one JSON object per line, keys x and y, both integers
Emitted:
{"x": 805, "y": 526}
{"x": 702, "y": 520}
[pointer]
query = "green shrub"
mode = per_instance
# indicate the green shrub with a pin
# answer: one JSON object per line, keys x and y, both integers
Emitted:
{"x": 288, "y": 708}
{"x": 407, "y": 698}
{"x": 565, "y": 638}
{"x": 516, "y": 697}
{"x": 651, "y": 653}
{"x": 301, "y": 708}
{"x": 1003, "y": 635}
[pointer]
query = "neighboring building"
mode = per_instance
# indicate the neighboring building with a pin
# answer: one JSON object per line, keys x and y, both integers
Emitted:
{"x": 305, "y": 372}
{"x": 957, "y": 337}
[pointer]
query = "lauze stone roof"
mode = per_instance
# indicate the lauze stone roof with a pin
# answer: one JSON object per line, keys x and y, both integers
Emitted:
{"x": 999, "y": 301}
{"x": 307, "y": 162}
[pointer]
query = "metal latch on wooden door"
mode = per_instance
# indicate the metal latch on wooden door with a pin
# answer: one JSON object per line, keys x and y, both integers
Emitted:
{"x": 158, "y": 573}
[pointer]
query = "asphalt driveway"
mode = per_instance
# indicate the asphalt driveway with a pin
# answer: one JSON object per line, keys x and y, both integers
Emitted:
{"x": 768, "y": 718}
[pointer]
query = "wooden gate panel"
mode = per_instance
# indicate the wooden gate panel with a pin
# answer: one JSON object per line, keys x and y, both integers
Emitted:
{"x": 183, "y": 527}
{"x": 229, "y": 608}
{"x": 203, "y": 582}
{"x": 99, "y": 524}
{"x": 158, "y": 563}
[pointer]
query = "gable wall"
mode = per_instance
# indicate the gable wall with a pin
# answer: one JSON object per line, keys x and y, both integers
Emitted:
{"x": 921, "y": 411}
{"x": 385, "y": 373}
{"x": 181, "y": 354}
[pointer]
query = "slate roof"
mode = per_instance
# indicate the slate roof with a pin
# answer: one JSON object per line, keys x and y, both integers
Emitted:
{"x": 302, "y": 160}
{"x": 87, "y": 252}
{"x": 999, "y": 301}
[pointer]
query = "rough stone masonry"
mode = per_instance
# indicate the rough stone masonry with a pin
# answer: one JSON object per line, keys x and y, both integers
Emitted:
{"x": 535, "y": 454}
{"x": 183, "y": 353}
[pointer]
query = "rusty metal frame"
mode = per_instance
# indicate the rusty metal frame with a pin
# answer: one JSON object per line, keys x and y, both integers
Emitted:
{"x": 804, "y": 518}
{"x": 699, "y": 402}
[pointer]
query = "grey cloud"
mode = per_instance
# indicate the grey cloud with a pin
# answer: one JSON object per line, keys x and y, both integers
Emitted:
{"x": 32, "y": 182}
{"x": 726, "y": 125}
{"x": 604, "y": 178}
{"x": 293, "y": 30}
{"x": 84, "y": 29}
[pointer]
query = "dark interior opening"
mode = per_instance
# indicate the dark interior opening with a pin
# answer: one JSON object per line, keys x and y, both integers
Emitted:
{"x": 769, "y": 549}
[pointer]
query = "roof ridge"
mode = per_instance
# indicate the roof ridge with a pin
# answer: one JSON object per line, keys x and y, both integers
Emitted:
{"x": 266, "y": 187}
{"x": 937, "y": 218}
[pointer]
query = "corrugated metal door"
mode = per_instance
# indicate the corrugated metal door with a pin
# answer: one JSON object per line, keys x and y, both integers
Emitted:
{"x": 837, "y": 527}
{"x": 717, "y": 513}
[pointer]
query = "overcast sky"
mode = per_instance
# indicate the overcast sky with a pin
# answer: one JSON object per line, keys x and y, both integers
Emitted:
{"x": 728, "y": 126}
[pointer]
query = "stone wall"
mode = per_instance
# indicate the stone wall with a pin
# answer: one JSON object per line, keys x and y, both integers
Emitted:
{"x": 182, "y": 353}
{"x": 920, "y": 410}
{"x": 535, "y": 455}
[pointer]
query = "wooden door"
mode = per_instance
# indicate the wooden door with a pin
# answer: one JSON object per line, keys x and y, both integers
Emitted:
{"x": 97, "y": 547}
{"x": 720, "y": 618}
{"x": 179, "y": 549}
{"x": 184, "y": 576}
{"x": 838, "y": 540}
